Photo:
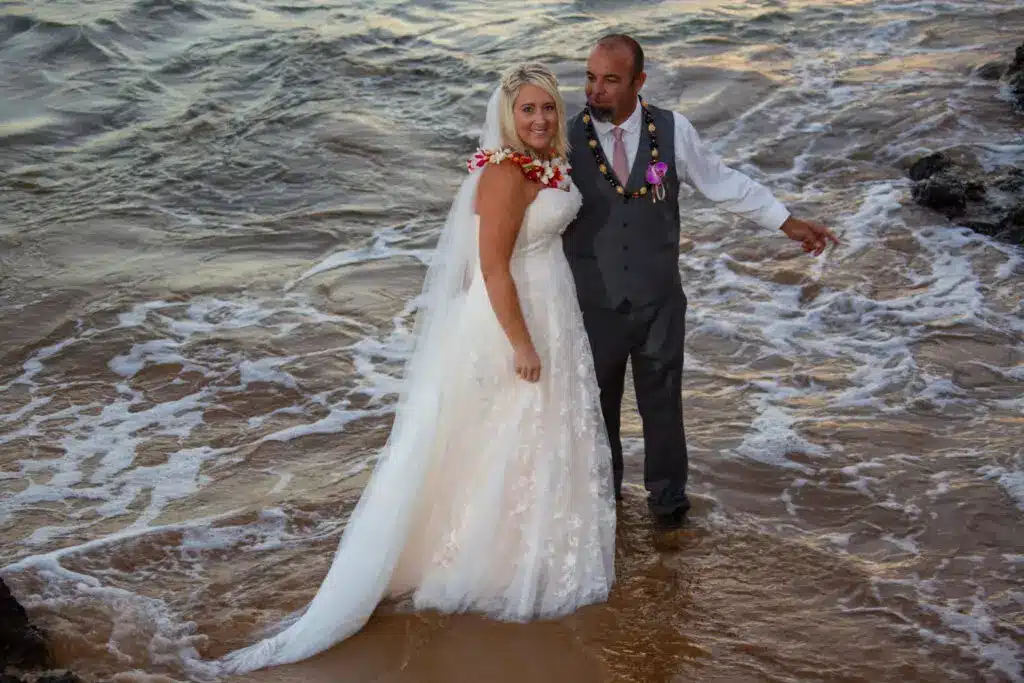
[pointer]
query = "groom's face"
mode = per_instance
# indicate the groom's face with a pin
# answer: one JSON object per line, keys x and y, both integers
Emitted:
{"x": 612, "y": 83}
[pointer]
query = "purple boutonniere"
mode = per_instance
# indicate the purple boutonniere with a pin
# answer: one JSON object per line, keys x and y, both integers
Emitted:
{"x": 656, "y": 171}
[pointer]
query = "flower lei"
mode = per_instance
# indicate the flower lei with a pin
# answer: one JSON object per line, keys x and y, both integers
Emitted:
{"x": 550, "y": 173}
{"x": 656, "y": 170}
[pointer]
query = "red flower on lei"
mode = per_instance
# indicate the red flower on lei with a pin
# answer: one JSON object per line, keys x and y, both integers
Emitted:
{"x": 548, "y": 173}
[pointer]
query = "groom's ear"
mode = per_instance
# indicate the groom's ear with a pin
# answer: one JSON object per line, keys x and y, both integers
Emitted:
{"x": 639, "y": 80}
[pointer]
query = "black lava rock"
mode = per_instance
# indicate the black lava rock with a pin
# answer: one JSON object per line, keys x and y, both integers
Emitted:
{"x": 1013, "y": 181}
{"x": 990, "y": 203}
{"x": 1018, "y": 61}
{"x": 975, "y": 190}
{"x": 1015, "y": 76}
{"x": 21, "y": 644}
{"x": 1017, "y": 87}
{"x": 927, "y": 166}
{"x": 991, "y": 71}
{"x": 943, "y": 193}
{"x": 63, "y": 677}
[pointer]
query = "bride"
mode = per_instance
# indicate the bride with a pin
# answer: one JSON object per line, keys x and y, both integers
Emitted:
{"x": 493, "y": 493}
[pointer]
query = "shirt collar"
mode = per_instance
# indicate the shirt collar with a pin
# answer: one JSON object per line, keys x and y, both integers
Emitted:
{"x": 630, "y": 125}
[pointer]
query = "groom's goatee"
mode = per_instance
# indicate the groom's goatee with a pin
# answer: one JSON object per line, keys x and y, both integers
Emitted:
{"x": 600, "y": 113}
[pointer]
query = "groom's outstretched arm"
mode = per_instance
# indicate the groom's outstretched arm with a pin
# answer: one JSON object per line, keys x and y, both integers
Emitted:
{"x": 727, "y": 187}
{"x": 739, "y": 193}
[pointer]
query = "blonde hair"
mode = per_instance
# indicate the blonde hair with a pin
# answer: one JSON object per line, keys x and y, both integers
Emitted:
{"x": 511, "y": 83}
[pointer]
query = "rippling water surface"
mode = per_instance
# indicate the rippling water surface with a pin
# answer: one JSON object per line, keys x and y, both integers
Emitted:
{"x": 214, "y": 219}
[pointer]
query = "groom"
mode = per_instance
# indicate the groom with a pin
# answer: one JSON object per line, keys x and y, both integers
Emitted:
{"x": 623, "y": 248}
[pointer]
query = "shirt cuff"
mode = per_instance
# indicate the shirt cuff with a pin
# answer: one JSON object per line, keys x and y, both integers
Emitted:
{"x": 775, "y": 216}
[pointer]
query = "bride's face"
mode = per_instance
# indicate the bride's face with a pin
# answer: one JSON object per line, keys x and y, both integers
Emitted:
{"x": 536, "y": 117}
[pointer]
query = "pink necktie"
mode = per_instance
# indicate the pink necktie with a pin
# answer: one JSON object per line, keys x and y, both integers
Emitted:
{"x": 619, "y": 162}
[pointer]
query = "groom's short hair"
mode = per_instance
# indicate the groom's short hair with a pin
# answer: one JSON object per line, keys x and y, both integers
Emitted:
{"x": 628, "y": 42}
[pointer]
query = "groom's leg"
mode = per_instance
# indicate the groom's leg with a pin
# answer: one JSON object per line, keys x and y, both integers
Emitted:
{"x": 609, "y": 344}
{"x": 657, "y": 377}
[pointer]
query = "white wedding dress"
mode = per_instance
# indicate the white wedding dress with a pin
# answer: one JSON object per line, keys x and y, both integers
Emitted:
{"x": 517, "y": 518}
{"x": 493, "y": 495}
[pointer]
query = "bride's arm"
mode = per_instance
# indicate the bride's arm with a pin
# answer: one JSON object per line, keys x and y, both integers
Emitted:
{"x": 502, "y": 198}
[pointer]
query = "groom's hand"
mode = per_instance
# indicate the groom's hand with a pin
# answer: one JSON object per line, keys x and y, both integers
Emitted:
{"x": 813, "y": 237}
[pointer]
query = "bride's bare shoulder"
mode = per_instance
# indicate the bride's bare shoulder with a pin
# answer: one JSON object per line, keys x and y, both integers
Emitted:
{"x": 503, "y": 187}
{"x": 504, "y": 174}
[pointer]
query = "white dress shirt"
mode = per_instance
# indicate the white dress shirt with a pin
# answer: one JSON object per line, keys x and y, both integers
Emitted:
{"x": 702, "y": 168}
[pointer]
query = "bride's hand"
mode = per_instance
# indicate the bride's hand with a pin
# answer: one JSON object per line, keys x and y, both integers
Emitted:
{"x": 527, "y": 363}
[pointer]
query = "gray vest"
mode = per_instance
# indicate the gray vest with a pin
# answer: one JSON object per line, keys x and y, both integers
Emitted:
{"x": 619, "y": 248}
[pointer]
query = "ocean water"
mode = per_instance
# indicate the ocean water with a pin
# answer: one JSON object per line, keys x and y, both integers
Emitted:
{"x": 215, "y": 219}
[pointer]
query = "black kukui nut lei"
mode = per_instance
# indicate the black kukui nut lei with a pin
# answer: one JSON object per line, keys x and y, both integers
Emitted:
{"x": 602, "y": 164}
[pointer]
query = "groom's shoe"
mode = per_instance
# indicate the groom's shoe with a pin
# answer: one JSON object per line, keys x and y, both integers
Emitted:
{"x": 673, "y": 519}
